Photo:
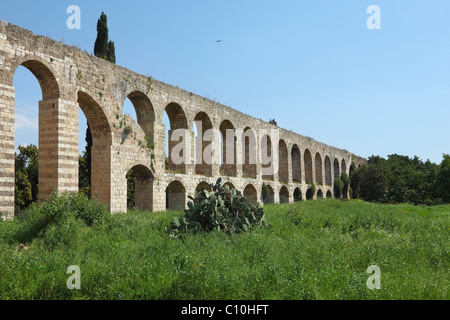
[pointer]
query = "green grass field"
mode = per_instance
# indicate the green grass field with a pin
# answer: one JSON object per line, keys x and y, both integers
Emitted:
{"x": 311, "y": 250}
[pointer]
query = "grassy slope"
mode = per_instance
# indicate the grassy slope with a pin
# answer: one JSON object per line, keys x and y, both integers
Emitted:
{"x": 312, "y": 250}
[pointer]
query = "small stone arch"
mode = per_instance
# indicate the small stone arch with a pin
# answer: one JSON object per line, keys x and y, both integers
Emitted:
{"x": 284, "y": 195}
{"x": 203, "y": 185}
{"x": 309, "y": 194}
{"x": 175, "y": 196}
{"x": 230, "y": 185}
{"x": 251, "y": 194}
{"x": 298, "y": 195}
{"x": 143, "y": 179}
{"x": 319, "y": 194}
{"x": 329, "y": 195}
{"x": 270, "y": 198}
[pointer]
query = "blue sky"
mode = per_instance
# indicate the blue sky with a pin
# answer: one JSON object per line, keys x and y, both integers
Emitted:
{"x": 314, "y": 66}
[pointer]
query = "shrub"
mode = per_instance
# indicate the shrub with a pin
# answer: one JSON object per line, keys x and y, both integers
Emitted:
{"x": 346, "y": 181}
{"x": 222, "y": 209}
{"x": 57, "y": 210}
{"x": 338, "y": 187}
{"x": 311, "y": 192}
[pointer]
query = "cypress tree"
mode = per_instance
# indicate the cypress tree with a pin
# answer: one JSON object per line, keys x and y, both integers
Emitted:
{"x": 84, "y": 173}
{"x": 111, "y": 52}
{"x": 101, "y": 43}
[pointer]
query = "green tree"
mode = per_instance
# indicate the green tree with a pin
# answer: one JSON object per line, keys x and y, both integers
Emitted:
{"x": 371, "y": 180}
{"x": 264, "y": 192}
{"x": 104, "y": 48}
{"x": 131, "y": 189}
{"x": 346, "y": 185}
{"x": 101, "y": 43}
{"x": 400, "y": 179}
{"x": 111, "y": 52}
{"x": 338, "y": 188}
{"x": 85, "y": 165}
{"x": 443, "y": 178}
{"x": 26, "y": 176}
{"x": 311, "y": 192}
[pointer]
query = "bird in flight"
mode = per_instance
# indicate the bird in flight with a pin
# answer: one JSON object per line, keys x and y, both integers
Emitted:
{"x": 219, "y": 41}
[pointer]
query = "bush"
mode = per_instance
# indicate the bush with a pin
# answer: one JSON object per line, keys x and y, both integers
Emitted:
{"x": 338, "y": 188}
{"x": 57, "y": 210}
{"x": 222, "y": 209}
{"x": 311, "y": 192}
{"x": 346, "y": 181}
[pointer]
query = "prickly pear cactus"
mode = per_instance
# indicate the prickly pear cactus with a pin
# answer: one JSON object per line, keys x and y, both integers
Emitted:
{"x": 221, "y": 209}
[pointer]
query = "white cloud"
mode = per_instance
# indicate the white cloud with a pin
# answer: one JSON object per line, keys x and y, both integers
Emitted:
{"x": 25, "y": 123}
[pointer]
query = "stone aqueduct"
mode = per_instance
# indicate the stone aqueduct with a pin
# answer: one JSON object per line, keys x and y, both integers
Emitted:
{"x": 71, "y": 79}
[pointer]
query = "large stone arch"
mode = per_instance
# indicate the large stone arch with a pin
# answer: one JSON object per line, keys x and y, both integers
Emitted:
{"x": 250, "y": 152}
{"x": 145, "y": 113}
{"x": 337, "y": 174}
{"x": 51, "y": 113}
{"x": 296, "y": 164}
{"x": 97, "y": 119}
{"x": 102, "y": 141}
{"x": 308, "y": 166}
{"x": 283, "y": 163}
{"x": 328, "y": 171}
{"x": 318, "y": 166}
{"x": 267, "y": 159}
{"x": 228, "y": 149}
{"x": 43, "y": 72}
{"x": 179, "y": 125}
{"x": 203, "y": 147}
{"x": 343, "y": 167}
